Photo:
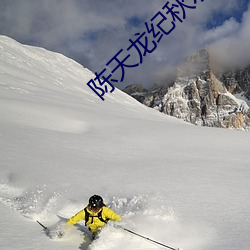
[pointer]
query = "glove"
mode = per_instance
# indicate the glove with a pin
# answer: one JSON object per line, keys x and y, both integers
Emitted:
{"x": 60, "y": 234}
{"x": 62, "y": 229}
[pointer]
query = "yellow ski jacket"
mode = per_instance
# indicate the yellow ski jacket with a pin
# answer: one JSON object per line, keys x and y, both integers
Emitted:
{"x": 94, "y": 223}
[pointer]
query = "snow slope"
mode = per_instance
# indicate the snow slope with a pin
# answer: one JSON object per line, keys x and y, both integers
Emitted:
{"x": 179, "y": 184}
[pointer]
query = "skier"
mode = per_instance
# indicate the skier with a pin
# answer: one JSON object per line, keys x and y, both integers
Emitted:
{"x": 95, "y": 214}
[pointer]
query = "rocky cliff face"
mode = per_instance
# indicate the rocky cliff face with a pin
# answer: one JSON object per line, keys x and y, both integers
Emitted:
{"x": 237, "y": 81}
{"x": 201, "y": 97}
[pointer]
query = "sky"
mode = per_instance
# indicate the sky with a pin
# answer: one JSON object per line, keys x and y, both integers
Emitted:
{"x": 92, "y": 32}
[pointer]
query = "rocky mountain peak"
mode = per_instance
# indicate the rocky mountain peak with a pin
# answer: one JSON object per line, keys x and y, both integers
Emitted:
{"x": 197, "y": 64}
{"x": 200, "y": 96}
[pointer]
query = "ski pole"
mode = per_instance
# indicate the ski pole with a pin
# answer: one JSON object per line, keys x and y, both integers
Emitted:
{"x": 146, "y": 238}
{"x": 45, "y": 228}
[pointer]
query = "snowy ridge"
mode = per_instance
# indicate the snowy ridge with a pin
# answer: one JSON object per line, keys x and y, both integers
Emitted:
{"x": 182, "y": 185}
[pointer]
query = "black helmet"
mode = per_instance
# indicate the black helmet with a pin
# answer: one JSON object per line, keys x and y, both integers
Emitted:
{"x": 96, "y": 202}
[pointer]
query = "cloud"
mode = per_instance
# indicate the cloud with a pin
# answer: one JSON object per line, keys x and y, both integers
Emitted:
{"x": 93, "y": 31}
{"x": 229, "y": 27}
{"x": 233, "y": 49}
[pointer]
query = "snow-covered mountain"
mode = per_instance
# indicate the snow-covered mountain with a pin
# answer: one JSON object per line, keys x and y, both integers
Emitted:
{"x": 201, "y": 96}
{"x": 182, "y": 185}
